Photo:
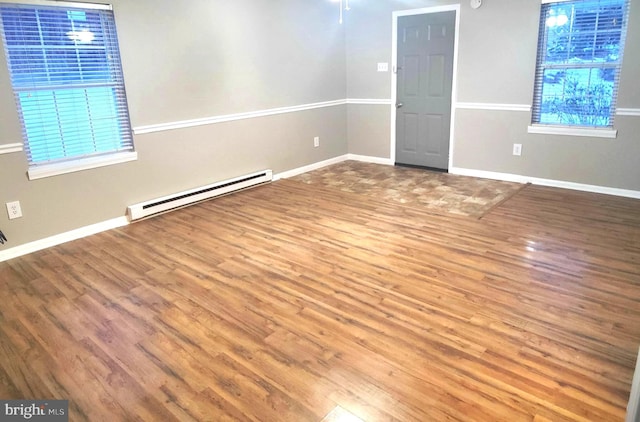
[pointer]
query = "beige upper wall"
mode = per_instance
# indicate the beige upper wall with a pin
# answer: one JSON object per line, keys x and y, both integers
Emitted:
{"x": 496, "y": 57}
{"x": 368, "y": 41}
{"x": 198, "y": 58}
{"x": 497, "y": 52}
{"x": 190, "y": 59}
{"x": 629, "y": 96}
{"x": 496, "y": 65}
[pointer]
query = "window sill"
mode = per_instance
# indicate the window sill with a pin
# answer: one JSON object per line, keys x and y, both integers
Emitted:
{"x": 573, "y": 131}
{"x": 49, "y": 170}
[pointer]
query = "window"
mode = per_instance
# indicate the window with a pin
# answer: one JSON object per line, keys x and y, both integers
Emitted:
{"x": 67, "y": 80}
{"x": 579, "y": 59}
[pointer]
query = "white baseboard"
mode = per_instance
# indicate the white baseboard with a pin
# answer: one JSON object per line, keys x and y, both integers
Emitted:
{"x": 315, "y": 166}
{"x": 368, "y": 159}
{"x": 61, "y": 238}
{"x": 545, "y": 182}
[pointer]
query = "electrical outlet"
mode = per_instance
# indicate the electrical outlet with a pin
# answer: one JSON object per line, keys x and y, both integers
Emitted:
{"x": 517, "y": 149}
{"x": 14, "y": 210}
{"x": 383, "y": 67}
{"x": 316, "y": 142}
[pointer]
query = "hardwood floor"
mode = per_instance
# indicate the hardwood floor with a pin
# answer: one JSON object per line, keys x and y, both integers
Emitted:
{"x": 291, "y": 302}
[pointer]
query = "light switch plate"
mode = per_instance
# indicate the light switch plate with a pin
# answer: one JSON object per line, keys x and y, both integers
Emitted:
{"x": 383, "y": 67}
{"x": 517, "y": 149}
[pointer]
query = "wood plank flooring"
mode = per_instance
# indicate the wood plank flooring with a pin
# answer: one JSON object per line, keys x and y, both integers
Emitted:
{"x": 291, "y": 302}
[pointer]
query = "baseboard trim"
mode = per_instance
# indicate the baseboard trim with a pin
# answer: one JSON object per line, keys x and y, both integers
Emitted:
{"x": 507, "y": 177}
{"x": 315, "y": 166}
{"x": 304, "y": 169}
{"x": 61, "y": 238}
{"x": 369, "y": 159}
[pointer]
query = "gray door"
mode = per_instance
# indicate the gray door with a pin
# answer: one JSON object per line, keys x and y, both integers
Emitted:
{"x": 425, "y": 79}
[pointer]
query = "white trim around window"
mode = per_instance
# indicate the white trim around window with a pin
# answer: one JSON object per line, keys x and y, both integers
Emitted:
{"x": 573, "y": 131}
{"x": 48, "y": 170}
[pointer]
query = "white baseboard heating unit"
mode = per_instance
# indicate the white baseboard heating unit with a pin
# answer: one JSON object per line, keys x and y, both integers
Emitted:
{"x": 181, "y": 199}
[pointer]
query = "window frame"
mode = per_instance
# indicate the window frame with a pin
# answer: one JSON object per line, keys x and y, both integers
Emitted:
{"x": 537, "y": 127}
{"x": 123, "y": 149}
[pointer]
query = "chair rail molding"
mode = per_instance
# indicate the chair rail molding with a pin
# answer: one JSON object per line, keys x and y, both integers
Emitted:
{"x": 493, "y": 106}
{"x": 140, "y": 130}
{"x": 628, "y": 112}
{"x": 10, "y": 148}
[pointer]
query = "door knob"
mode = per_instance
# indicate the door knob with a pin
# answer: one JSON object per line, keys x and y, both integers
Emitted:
{"x": 398, "y": 105}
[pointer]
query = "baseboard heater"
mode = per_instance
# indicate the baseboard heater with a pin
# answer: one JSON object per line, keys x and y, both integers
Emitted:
{"x": 180, "y": 199}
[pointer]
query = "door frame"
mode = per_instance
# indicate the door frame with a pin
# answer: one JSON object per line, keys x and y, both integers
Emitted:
{"x": 394, "y": 76}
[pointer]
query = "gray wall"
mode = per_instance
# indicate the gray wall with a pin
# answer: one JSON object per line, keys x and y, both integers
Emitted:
{"x": 189, "y": 59}
{"x": 496, "y": 64}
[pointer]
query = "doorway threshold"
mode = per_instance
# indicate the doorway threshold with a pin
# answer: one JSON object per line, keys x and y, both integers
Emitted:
{"x": 414, "y": 166}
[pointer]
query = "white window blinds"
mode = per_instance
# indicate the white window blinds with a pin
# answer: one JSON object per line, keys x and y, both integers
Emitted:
{"x": 580, "y": 50}
{"x": 67, "y": 79}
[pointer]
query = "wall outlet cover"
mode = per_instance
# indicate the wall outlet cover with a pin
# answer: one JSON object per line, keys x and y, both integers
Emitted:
{"x": 14, "y": 210}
